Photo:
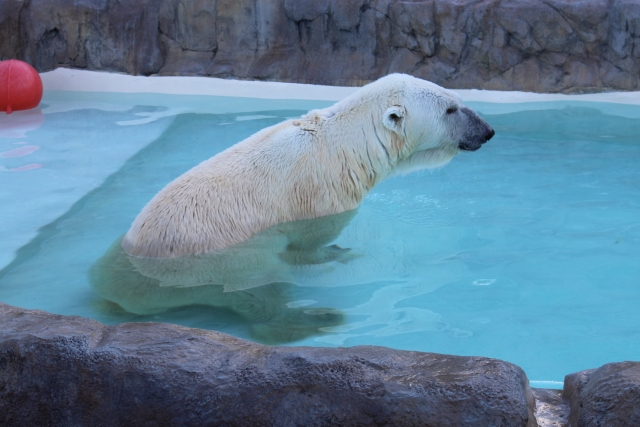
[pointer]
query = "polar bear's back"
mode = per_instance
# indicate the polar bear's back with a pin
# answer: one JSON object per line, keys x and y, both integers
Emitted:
{"x": 272, "y": 177}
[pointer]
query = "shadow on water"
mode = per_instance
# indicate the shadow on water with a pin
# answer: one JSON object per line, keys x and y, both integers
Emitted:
{"x": 252, "y": 279}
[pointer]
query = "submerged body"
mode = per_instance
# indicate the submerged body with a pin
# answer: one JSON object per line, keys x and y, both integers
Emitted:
{"x": 255, "y": 279}
{"x": 321, "y": 164}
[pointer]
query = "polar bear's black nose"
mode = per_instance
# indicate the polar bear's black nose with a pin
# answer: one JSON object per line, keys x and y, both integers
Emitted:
{"x": 489, "y": 135}
{"x": 477, "y": 133}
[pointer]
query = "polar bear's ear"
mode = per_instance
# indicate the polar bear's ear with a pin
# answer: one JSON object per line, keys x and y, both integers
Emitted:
{"x": 393, "y": 119}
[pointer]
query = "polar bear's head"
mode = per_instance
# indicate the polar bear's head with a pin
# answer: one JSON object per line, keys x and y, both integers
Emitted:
{"x": 423, "y": 125}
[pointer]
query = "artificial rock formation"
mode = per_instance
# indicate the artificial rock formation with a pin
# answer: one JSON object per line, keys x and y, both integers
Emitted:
{"x": 608, "y": 396}
{"x": 57, "y": 370}
{"x": 530, "y": 45}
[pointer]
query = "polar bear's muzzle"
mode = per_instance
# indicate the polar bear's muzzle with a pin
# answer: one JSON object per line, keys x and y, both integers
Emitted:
{"x": 477, "y": 131}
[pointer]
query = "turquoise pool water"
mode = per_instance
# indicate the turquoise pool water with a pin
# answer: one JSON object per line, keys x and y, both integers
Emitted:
{"x": 527, "y": 250}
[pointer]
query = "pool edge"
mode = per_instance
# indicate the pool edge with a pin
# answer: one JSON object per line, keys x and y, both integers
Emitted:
{"x": 99, "y": 81}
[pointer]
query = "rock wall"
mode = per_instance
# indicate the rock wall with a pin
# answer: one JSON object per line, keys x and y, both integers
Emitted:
{"x": 70, "y": 371}
{"x": 58, "y": 370}
{"x": 531, "y": 45}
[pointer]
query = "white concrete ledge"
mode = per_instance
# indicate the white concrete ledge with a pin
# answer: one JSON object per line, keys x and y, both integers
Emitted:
{"x": 95, "y": 81}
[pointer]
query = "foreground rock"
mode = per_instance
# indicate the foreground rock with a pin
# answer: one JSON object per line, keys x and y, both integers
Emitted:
{"x": 608, "y": 396}
{"x": 57, "y": 370}
{"x": 531, "y": 45}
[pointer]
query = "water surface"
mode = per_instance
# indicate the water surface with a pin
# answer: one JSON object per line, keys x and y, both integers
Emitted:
{"x": 526, "y": 250}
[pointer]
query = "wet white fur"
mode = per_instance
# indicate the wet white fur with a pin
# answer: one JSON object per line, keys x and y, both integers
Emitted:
{"x": 321, "y": 164}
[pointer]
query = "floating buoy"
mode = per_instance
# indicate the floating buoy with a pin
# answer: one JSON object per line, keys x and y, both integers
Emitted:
{"x": 20, "y": 86}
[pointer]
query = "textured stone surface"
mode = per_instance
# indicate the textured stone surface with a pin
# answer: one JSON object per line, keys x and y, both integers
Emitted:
{"x": 57, "y": 370}
{"x": 532, "y": 45}
{"x": 608, "y": 396}
{"x": 552, "y": 410}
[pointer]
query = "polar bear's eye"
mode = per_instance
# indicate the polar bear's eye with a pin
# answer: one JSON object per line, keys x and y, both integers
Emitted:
{"x": 452, "y": 110}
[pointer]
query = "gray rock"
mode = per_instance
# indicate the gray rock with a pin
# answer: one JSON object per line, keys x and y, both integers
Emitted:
{"x": 608, "y": 396}
{"x": 551, "y": 409}
{"x": 531, "y": 45}
{"x": 65, "y": 371}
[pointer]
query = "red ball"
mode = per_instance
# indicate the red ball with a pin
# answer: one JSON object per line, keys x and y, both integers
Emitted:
{"x": 20, "y": 86}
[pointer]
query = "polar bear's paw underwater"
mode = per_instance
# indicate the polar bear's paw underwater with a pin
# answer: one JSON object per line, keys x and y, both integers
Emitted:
{"x": 320, "y": 165}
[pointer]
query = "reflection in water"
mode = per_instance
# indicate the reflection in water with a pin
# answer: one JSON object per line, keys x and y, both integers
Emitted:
{"x": 254, "y": 278}
{"x": 19, "y": 123}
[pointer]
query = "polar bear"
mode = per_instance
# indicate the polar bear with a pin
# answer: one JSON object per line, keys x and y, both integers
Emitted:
{"x": 321, "y": 164}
